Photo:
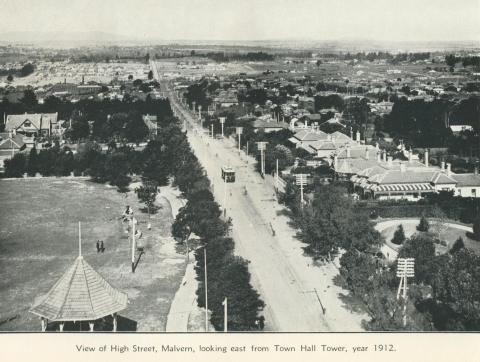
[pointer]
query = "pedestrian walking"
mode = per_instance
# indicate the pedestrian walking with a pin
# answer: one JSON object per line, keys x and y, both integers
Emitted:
{"x": 98, "y": 246}
{"x": 102, "y": 247}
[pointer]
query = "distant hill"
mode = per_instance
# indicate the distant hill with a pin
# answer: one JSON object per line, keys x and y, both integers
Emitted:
{"x": 63, "y": 38}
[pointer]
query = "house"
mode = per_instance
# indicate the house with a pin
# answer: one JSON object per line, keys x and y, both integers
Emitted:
{"x": 410, "y": 180}
{"x": 305, "y": 137}
{"x": 37, "y": 124}
{"x": 456, "y": 129}
{"x": 268, "y": 124}
{"x": 10, "y": 144}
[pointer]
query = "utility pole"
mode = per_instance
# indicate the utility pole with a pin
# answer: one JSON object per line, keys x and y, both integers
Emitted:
{"x": 262, "y": 147}
{"x": 133, "y": 244}
{"x": 222, "y": 121}
{"x": 206, "y": 288}
{"x": 301, "y": 180}
{"x": 225, "y": 198}
{"x": 225, "y": 314}
{"x": 276, "y": 175}
{"x": 405, "y": 270}
{"x": 239, "y": 133}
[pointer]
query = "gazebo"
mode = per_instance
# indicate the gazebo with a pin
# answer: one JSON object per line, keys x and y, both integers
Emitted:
{"x": 81, "y": 294}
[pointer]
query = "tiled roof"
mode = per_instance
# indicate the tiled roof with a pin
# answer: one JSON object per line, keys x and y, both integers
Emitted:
{"x": 7, "y": 143}
{"x": 38, "y": 120}
{"x": 308, "y": 135}
{"x": 467, "y": 179}
{"x": 80, "y": 294}
{"x": 441, "y": 178}
{"x": 265, "y": 124}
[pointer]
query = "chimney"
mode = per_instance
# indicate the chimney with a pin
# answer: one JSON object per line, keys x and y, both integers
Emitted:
{"x": 329, "y": 137}
{"x": 9, "y": 134}
{"x": 449, "y": 169}
{"x": 384, "y": 156}
{"x": 426, "y": 158}
{"x": 379, "y": 157}
{"x": 367, "y": 156}
{"x": 351, "y": 133}
{"x": 348, "y": 151}
{"x": 390, "y": 161}
{"x": 358, "y": 137}
{"x": 475, "y": 170}
{"x": 335, "y": 160}
{"x": 377, "y": 147}
{"x": 410, "y": 154}
{"x": 402, "y": 167}
{"x": 442, "y": 165}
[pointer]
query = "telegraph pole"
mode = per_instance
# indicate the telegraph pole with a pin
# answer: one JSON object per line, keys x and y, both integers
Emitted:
{"x": 276, "y": 175}
{"x": 225, "y": 198}
{"x": 222, "y": 121}
{"x": 239, "y": 133}
{"x": 262, "y": 147}
{"x": 133, "y": 244}
{"x": 225, "y": 314}
{"x": 405, "y": 270}
{"x": 301, "y": 180}
{"x": 206, "y": 288}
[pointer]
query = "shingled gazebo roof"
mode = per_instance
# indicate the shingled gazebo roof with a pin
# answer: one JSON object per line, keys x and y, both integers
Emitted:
{"x": 80, "y": 294}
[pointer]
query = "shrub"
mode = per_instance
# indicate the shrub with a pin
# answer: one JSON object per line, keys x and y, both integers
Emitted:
{"x": 399, "y": 236}
{"x": 476, "y": 229}
{"x": 457, "y": 245}
{"x": 423, "y": 225}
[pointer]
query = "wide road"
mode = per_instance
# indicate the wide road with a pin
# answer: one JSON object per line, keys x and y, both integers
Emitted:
{"x": 295, "y": 291}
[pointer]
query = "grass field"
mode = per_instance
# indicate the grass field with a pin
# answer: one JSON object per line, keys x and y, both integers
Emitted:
{"x": 448, "y": 234}
{"x": 39, "y": 241}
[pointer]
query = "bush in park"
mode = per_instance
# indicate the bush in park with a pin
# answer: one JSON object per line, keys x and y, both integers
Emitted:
{"x": 476, "y": 230}
{"x": 399, "y": 236}
{"x": 457, "y": 245}
{"x": 423, "y": 225}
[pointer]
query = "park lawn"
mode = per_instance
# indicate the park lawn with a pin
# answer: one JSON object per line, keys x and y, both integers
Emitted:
{"x": 39, "y": 241}
{"x": 448, "y": 234}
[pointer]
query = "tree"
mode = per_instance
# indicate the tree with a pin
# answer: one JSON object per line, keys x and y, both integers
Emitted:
{"x": 32, "y": 165}
{"x": 15, "y": 167}
{"x": 130, "y": 77}
{"x": 423, "y": 225}
{"x": 457, "y": 246}
{"x": 10, "y": 78}
{"x": 27, "y": 69}
{"x": 150, "y": 75}
{"x": 399, "y": 235}
{"x": 147, "y": 193}
{"x": 422, "y": 248}
{"x": 456, "y": 288}
{"x": 476, "y": 229}
{"x": 135, "y": 128}
{"x": 357, "y": 269}
{"x": 29, "y": 98}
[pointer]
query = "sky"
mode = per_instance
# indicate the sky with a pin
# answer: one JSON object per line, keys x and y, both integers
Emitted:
{"x": 383, "y": 20}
